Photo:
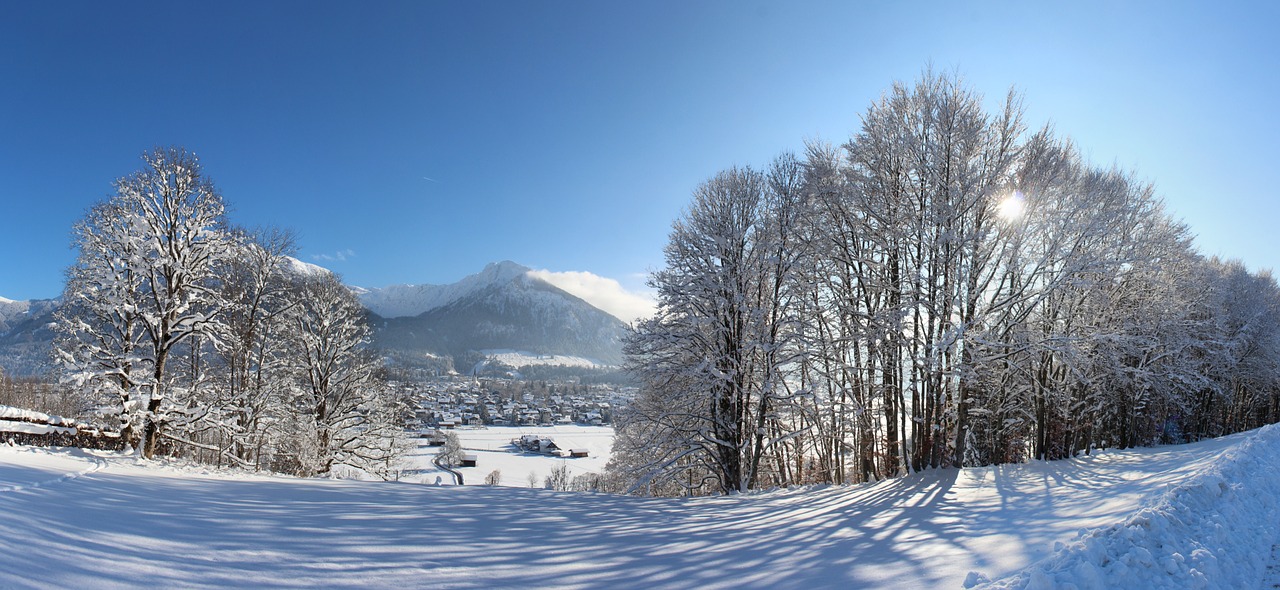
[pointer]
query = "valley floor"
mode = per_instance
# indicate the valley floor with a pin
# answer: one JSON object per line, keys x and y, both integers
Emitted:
{"x": 72, "y": 518}
{"x": 493, "y": 449}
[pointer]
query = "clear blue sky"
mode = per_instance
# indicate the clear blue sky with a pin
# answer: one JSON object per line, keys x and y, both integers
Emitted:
{"x": 413, "y": 142}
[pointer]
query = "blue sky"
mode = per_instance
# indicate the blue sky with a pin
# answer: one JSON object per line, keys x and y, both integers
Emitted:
{"x": 414, "y": 142}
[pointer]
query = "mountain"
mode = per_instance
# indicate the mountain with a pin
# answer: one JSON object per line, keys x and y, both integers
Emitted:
{"x": 303, "y": 269}
{"x": 399, "y": 301}
{"x": 25, "y": 335}
{"x": 503, "y": 307}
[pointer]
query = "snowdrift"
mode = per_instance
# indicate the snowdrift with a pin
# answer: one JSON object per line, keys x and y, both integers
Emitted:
{"x": 1216, "y": 530}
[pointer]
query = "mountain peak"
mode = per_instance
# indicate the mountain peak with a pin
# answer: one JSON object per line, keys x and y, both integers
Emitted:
{"x": 304, "y": 269}
{"x": 503, "y": 307}
{"x": 411, "y": 300}
{"x": 503, "y": 272}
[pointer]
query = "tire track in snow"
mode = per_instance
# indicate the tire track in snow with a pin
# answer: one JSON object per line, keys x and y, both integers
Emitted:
{"x": 98, "y": 464}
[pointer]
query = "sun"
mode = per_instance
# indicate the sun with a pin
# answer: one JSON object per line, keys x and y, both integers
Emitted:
{"x": 1012, "y": 207}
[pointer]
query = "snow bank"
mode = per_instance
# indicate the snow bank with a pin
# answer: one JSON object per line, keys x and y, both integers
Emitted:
{"x": 1213, "y": 531}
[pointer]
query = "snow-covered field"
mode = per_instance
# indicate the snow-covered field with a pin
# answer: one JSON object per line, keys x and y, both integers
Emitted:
{"x": 493, "y": 450}
{"x": 1200, "y": 514}
{"x": 520, "y": 358}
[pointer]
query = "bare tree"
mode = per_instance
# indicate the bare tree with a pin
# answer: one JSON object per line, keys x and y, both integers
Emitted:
{"x": 493, "y": 478}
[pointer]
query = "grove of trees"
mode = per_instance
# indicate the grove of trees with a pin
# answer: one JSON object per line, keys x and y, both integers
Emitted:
{"x": 207, "y": 341}
{"x": 946, "y": 288}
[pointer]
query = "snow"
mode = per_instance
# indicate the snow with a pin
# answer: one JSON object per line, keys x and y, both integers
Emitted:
{"x": 1215, "y": 530}
{"x": 40, "y": 467}
{"x": 11, "y": 311}
{"x": 413, "y": 300}
{"x": 12, "y": 413}
{"x": 521, "y": 358}
{"x": 603, "y": 293}
{"x": 493, "y": 450}
{"x": 29, "y": 428}
{"x": 23, "y": 421}
{"x": 606, "y": 294}
{"x": 305, "y": 269}
{"x": 74, "y": 518}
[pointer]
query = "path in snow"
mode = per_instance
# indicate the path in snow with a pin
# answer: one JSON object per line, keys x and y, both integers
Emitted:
{"x": 55, "y": 466}
{"x": 457, "y": 477}
{"x": 139, "y": 525}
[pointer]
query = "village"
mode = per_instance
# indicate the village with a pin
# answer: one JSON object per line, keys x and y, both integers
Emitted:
{"x": 457, "y": 401}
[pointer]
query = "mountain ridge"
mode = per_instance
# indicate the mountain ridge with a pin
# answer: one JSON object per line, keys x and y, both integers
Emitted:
{"x": 505, "y": 307}
{"x": 26, "y": 337}
{"x": 408, "y": 300}
{"x": 502, "y": 307}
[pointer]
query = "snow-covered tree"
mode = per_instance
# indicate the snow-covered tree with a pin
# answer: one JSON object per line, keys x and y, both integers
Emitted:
{"x": 451, "y": 453}
{"x": 343, "y": 414}
{"x": 209, "y": 341}
{"x": 145, "y": 282}
{"x": 711, "y": 360}
{"x": 98, "y": 330}
{"x": 243, "y": 414}
{"x": 941, "y": 290}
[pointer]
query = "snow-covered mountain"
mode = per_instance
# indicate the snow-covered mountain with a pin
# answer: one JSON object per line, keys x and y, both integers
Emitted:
{"x": 303, "y": 269}
{"x": 25, "y": 336}
{"x": 399, "y": 301}
{"x": 502, "y": 307}
{"x": 10, "y": 309}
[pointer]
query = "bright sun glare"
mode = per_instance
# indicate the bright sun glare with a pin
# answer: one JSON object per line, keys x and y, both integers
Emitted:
{"x": 1012, "y": 207}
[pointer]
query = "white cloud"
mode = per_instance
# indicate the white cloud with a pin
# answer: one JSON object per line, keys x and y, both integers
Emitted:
{"x": 604, "y": 293}
{"x": 339, "y": 256}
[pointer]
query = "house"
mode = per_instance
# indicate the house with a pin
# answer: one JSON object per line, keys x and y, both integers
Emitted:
{"x": 537, "y": 444}
{"x": 578, "y": 452}
{"x": 469, "y": 460}
{"x": 435, "y": 438}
